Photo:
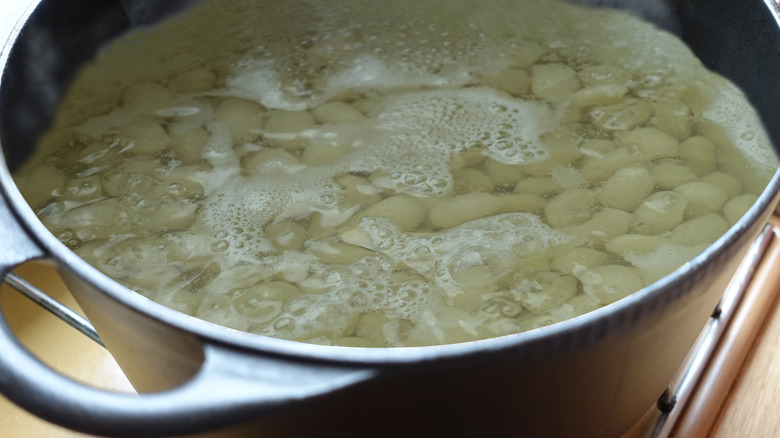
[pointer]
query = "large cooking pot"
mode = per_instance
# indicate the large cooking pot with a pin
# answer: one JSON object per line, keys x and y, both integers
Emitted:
{"x": 593, "y": 375}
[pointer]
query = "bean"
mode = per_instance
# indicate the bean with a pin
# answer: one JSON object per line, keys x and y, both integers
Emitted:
{"x": 538, "y": 185}
{"x": 146, "y": 96}
{"x": 605, "y": 224}
{"x": 282, "y": 129}
{"x": 241, "y": 116}
{"x": 546, "y": 291}
{"x": 729, "y": 183}
{"x": 470, "y": 180}
{"x": 621, "y": 116}
{"x": 188, "y": 144}
{"x": 704, "y": 229}
{"x": 338, "y": 253}
{"x": 40, "y": 185}
{"x": 502, "y": 175}
{"x": 699, "y": 154}
{"x": 626, "y": 244}
{"x": 737, "y": 206}
{"x": 702, "y": 197}
{"x": 650, "y": 143}
{"x": 521, "y": 203}
{"x": 603, "y": 74}
{"x": 659, "y": 213}
{"x": 672, "y": 117}
{"x": 463, "y": 208}
{"x": 337, "y": 112}
{"x": 609, "y": 283}
{"x": 601, "y": 94}
{"x": 514, "y": 81}
{"x": 285, "y": 235}
{"x": 671, "y": 174}
{"x": 571, "y": 207}
{"x": 146, "y": 135}
{"x": 82, "y": 189}
{"x": 196, "y": 79}
{"x": 595, "y": 169}
{"x": 554, "y": 82}
{"x": 322, "y": 154}
{"x": 401, "y": 210}
{"x": 358, "y": 191}
{"x": 578, "y": 260}
{"x": 627, "y": 188}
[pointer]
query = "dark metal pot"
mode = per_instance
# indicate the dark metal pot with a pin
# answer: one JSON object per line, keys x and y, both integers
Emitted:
{"x": 594, "y": 375}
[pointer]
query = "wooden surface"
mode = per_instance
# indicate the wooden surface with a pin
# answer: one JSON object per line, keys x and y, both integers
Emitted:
{"x": 753, "y": 403}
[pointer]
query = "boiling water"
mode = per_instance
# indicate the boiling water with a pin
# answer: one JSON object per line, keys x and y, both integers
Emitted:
{"x": 396, "y": 173}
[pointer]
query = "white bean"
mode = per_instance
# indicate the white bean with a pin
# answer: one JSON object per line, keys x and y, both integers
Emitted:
{"x": 321, "y": 154}
{"x": 380, "y": 330}
{"x": 285, "y": 235}
{"x": 737, "y": 206}
{"x": 634, "y": 244}
{"x": 283, "y": 129}
{"x": 82, "y": 189}
{"x": 571, "y": 207}
{"x": 338, "y": 253}
{"x": 241, "y": 116}
{"x": 196, "y": 79}
{"x": 650, "y": 143}
{"x": 514, "y": 81}
{"x": 188, "y": 144}
{"x": 271, "y": 160}
{"x": 704, "y": 229}
{"x": 578, "y": 260}
{"x": 40, "y": 185}
{"x": 610, "y": 283}
{"x": 463, "y": 208}
{"x": 627, "y": 188}
{"x": 605, "y": 224}
{"x": 402, "y": 210}
{"x": 337, "y": 112}
{"x": 729, "y": 183}
{"x": 659, "y": 213}
{"x": 538, "y": 185}
{"x": 699, "y": 154}
{"x": 603, "y": 74}
{"x": 554, "y": 82}
{"x": 502, "y": 175}
{"x": 525, "y": 53}
{"x": 671, "y": 174}
{"x": 672, "y": 117}
{"x": 702, "y": 197}
{"x": 596, "y": 169}
{"x": 148, "y": 96}
{"x": 358, "y": 191}
{"x": 621, "y": 116}
{"x": 521, "y": 203}
{"x": 147, "y": 136}
{"x": 545, "y": 291}
{"x": 601, "y": 94}
{"x": 470, "y": 180}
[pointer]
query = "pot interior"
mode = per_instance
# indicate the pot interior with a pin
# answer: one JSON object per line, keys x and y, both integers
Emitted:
{"x": 47, "y": 55}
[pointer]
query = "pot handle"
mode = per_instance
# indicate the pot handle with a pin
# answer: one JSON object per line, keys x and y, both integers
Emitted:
{"x": 229, "y": 387}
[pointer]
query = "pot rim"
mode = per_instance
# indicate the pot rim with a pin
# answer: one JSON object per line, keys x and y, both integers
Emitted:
{"x": 578, "y": 331}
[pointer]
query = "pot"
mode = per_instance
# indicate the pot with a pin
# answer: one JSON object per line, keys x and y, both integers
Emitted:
{"x": 594, "y": 375}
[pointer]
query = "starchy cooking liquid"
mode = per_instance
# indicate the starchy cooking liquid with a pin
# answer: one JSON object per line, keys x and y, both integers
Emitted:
{"x": 395, "y": 173}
